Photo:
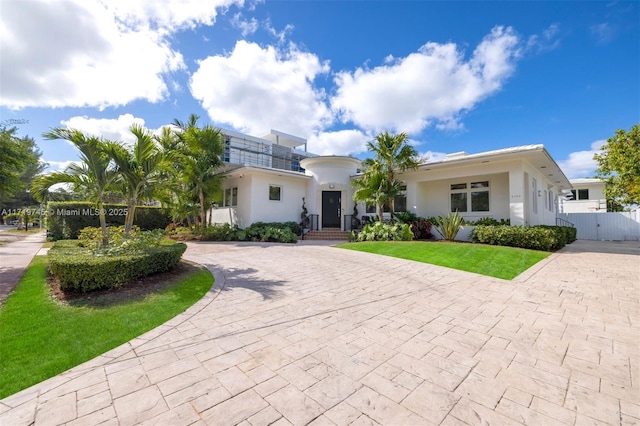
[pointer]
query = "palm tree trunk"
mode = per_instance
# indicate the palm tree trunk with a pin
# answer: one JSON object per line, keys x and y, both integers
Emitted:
{"x": 203, "y": 215}
{"x": 103, "y": 223}
{"x": 380, "y": 212}
{"x": 128, "y": 219}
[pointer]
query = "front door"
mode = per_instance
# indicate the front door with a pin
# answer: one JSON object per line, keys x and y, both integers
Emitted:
{"x": 331, "y": 209}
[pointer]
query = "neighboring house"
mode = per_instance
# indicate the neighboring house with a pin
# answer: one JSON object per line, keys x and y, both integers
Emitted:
{"x": 267, "y": 178}
{"x": 587, "y": 196}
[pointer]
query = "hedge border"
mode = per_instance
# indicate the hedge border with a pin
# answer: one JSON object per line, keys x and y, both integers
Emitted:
{"x": 81, "y": 271}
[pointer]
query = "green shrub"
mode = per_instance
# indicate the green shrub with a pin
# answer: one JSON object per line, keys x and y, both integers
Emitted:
{"x": 489, "y": 221}
{"x": 448, "y": 226}
{"x": 380, "y": 231}
{"x": 272, "y": 231}
{"x": 547, "y": 238}
{"x": 66, "y": 219}
{"x": 219, "y": 232}
{"x": 78, "y": 269}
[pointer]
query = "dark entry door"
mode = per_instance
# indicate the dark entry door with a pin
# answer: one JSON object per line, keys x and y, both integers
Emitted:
{"x": 331, "y": 209}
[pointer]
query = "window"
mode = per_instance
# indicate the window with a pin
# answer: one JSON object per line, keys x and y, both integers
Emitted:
{"x": 546, "y": 200}
{"x": 230, "y": 197}
{"x": 371, "y": 208}
{"x": 551, "y": 197}
{"x": 226, "y": 157}
{"x": 275, "y": 193}
{"x": 470, "y": 197}
{"x": 400, "y": 201}
{"x": 583, "y": 194}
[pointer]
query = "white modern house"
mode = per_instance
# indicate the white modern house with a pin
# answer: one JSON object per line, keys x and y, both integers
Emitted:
{"x": 587, "y": 196}
{"x": 268, "y": 177}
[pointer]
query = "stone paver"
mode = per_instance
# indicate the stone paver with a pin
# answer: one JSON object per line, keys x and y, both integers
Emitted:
{"x": 310, "y": 334}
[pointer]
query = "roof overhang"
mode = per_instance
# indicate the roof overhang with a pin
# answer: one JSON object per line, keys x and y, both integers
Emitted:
{"x": 241, "y": 171}
{"x": 536, "y": 155}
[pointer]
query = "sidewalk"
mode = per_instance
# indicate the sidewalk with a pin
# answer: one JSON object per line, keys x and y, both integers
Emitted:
{"x": 14, "y": 259}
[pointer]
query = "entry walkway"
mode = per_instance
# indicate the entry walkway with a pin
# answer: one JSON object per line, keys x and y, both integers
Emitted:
{"x": 310, "y": 334}
{"x": 14, "y": 259}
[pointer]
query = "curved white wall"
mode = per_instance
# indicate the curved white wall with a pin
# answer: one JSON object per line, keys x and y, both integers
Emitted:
{"x": 330, "y": 173}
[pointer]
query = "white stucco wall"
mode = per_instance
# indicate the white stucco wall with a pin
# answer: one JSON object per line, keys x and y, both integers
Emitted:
{"x": 544, "y": 215}
{"x": 331, "y": 173}
{"x": 597, "y": 202}
{"x": 253, "y": 197}
{"x": 434, "y": 198}
{"x": 290, "y": 205}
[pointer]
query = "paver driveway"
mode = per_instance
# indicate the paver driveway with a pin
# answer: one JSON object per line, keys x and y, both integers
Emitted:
{"x": 310, "y": 334}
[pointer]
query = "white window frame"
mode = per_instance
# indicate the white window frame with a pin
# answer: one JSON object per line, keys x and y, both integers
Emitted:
{"x": 279, "y": 200}
{"x": 230, "y": 197}
{"x": 469, "y": 190}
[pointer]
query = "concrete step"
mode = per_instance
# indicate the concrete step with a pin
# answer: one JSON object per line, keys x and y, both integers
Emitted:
{"x": 327, "y": 235}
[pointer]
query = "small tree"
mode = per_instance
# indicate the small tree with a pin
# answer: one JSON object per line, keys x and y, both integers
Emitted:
{"x": 92, "y": 175}
{"x": 619, "y": 166}
{"x": 379, "y": 183}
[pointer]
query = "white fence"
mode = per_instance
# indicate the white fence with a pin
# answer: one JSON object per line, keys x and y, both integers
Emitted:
{"x": 623, "y": 226}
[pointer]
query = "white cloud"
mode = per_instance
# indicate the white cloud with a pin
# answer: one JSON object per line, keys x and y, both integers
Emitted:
{"x": 168, "y": 16}
{"x": 548, "y": 40}
{"x": 255, "y": 89}
{"x": 115, "y": 129}
{"x": 90, "y": 52}
{"x": 435, "y": 84}
{"x": 581, "y": 164}
{"x": 341, "y": 142}
{"x": 59, "y": 165}
{"x": 246, "y": 27}
{"x": 433, "y": 156}
{"x": 603, "y": 32}
{"x": 281, "y": 35}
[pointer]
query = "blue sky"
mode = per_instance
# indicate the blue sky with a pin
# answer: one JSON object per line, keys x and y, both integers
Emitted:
{"x": 456, "y": 76}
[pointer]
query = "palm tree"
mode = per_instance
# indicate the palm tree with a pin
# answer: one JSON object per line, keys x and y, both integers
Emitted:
{"x": 93, "y": 174}
{"x": 137, "y": 169}
{"x": 379, "y": 183}
{"x": 200, "y": 160}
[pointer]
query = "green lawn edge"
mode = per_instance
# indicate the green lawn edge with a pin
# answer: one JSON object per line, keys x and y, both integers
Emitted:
{"x": 40, "y": 337}
{"x": 493, "y": 261}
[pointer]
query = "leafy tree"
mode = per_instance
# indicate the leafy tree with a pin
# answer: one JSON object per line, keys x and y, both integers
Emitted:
{"x": 20, "y": 159}
{"x": 92, "y": 175}
{"x": 137, "y": 170}
{"x": 379, "y": 183}
{"x": 619, "y": 166}
{"x": 198, "y": 154}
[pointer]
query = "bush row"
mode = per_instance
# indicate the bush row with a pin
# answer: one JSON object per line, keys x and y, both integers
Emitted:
{"x": 78, "y": 269}
{"x": 547, "y": 238}
{"x": 66, "y": 219}
{"x": 380, "y": 231}
{"x": 286, "y": 232}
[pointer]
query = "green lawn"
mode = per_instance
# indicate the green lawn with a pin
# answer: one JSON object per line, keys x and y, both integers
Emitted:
{"x": 40, "y": 337}
{"x": 494, "y": 261}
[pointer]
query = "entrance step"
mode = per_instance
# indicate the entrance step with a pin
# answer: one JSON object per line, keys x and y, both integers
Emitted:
{"x": 327, "y": 235}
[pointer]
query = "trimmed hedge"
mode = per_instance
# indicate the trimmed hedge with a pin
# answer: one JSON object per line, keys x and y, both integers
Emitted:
{"x": 66, "y": 219}
{"x": 547, "y": 238}
{"x": 80, "y": 270}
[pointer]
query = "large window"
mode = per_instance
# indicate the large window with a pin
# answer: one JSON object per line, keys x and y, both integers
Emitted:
{"x": 371, "y": 208}
{"x": 230, "y": 197}
{"x": 472, "y": 196}
{"x": 400, "y": 201}
{"x": 275, "y": 193}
